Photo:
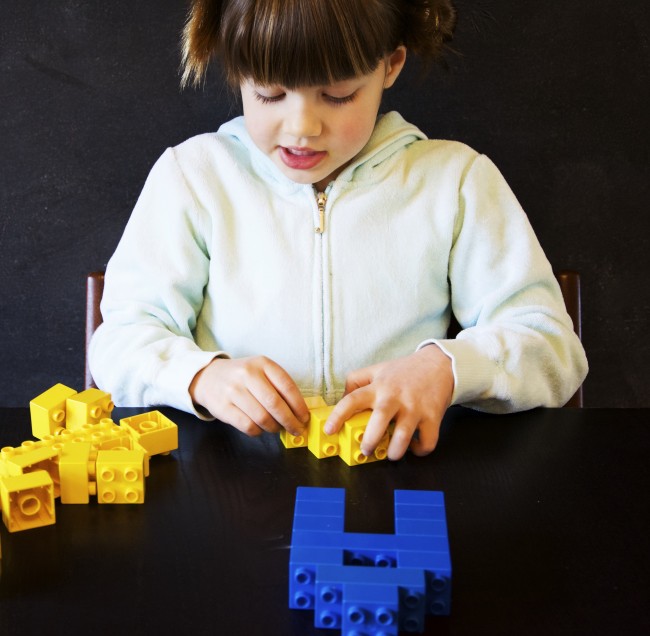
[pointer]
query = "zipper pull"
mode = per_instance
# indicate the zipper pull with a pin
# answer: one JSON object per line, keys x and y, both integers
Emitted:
{"x": 321, "y": 200}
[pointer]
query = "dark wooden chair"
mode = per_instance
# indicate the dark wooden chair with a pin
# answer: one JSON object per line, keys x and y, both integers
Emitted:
{"x": 569, "y": 284}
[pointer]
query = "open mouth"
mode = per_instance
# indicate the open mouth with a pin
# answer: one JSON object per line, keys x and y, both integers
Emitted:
{"x": 301, "y": 158}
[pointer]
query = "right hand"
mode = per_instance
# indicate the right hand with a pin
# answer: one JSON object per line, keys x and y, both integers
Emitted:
{"x": 252, "y": 394}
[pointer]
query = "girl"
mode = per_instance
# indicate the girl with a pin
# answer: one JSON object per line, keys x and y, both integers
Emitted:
{"x": 315, "y": 247}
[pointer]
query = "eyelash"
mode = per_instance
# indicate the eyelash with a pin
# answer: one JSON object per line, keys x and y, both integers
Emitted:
{"x": 335, "y": 101}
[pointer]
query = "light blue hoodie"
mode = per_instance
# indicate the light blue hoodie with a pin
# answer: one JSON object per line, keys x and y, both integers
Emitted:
{"x": 220, "y": 257}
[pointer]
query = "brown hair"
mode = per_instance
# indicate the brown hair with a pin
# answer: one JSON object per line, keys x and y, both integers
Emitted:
{"x": 308, "y": 42}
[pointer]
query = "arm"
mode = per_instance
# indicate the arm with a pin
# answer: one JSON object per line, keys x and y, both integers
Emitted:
{"x": 517, "y": 349}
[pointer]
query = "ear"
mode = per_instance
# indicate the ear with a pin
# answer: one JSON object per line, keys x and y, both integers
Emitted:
{"x": 394, "y": 64}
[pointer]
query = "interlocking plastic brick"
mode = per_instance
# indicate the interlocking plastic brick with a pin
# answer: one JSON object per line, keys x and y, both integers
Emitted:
{"x": 27, "y": 501}
{"x": 350, "y": 437}
{"x": 76, "y": 467}
{"x": 88, "y": 407}
{"x": 372, "y": 611}
{"x": 120, "y": 476}
{"x": 47, "y": 410}
{"x": 318, "y": 442}
{"x": 155, "y": 432}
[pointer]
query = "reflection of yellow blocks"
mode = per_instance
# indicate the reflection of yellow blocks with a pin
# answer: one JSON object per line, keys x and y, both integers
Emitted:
{"x": 48, "y": 410}
{"x": 88, "y": 407}
{"x": 120, "y": 476}
{"x": 27, "y": 501}
{"x": 76, "y": 465}
{"x": 154, "y": 432}
{"x": 319, "y": 443}
{"x": 350, "y": 438}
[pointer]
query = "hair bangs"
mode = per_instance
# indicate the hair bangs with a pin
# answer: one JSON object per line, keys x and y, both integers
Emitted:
{"x": 295, "y": 43}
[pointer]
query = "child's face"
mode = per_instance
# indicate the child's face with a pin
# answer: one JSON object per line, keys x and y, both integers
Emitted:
{"x": 313, "y": 133}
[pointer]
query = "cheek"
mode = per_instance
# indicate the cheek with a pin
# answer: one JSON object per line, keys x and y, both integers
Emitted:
{"x": 355, "y": 133}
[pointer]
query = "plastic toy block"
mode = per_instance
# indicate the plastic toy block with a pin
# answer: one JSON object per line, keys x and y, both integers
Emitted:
{"x": 331, "y": 582}
{"x": 351, "y": 579}
{"x": 48, "y": 410}
{"x": 27, "y": 501}
{"x": 302, "y": 573}
{"x": 120, "y": 476}
{"x": 293, "y": 441}
{"x": 372, "y": 611}
{"x": 315, "y": 402}
{"x": 312, "y": 493}
{"x": 437, "y": 571}
{"x": 318, "y": 442}
{"x": 87, "y": 407}
{"x": 30, "y": 457}
{"x": 155, "y": 433}
{"x": 350, "y": 438}
{"x": 76, "y": 466}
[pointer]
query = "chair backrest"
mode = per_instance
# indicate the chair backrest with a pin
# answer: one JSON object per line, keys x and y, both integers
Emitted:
{"x": 94, "y": 291}
{"x": 569, "y": 284}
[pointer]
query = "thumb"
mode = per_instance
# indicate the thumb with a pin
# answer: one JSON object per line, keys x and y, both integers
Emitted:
{"x": 359, "y": 378}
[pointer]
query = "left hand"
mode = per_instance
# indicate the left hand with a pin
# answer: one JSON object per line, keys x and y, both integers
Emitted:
{"x": 413, "y": 391}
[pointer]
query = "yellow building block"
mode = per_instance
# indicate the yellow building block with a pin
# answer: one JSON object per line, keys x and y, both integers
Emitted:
{"x": 120, "y": 476}
{"x": 27, "y": 501}
{"x": 76, "y": 467}
{"x": 104, "y": 435}
{"x": 315, "y": 402}
{"x": 87, "y": 407}
{"x": 350, "y": 438}
{"x": 293, "y": 441}
{"x": 153, "y": 431}
{"x": 30, "y": 457}
{"x": 318, "y": 442}
{"x": 47, "y": 410}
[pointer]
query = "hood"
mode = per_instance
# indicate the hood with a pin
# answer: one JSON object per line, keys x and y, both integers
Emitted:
{"x": 392, "y": 133}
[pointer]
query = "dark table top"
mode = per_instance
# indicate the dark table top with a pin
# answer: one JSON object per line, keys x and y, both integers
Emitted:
{"x": 548, "y": 514}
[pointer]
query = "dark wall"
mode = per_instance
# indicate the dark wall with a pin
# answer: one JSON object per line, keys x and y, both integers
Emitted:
{"x": 555, "y": 93}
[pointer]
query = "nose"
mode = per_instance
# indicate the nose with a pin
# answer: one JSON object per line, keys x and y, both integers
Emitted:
{"x": 302, "y": 120}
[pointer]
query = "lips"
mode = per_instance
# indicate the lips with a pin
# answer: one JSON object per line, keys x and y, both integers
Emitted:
{"x": 301, "y": 158}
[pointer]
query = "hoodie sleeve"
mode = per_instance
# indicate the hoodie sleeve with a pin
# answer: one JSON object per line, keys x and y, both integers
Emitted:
{"x": 517, "y": 349}
{"x": 144, "y": 352}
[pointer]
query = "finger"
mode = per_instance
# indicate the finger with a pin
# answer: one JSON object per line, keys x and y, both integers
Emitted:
{"x": 405, "y": 428}
{"x": 290, "y": 394}
{"x": 268, "y": 409}
{"x": 353, "y": 403}
{"x": 376, "y": 429}
{"x": 238, "y": 419}
{"x": 358, "y": 379}
{"x": 427, "y": 438}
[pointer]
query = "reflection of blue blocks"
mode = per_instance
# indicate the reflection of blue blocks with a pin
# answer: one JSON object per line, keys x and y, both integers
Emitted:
{"x": 370, "y": 583}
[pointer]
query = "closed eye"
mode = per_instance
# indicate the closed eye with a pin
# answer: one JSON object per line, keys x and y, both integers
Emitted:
{"x": 337, "y": 101}
{"x": 268, "y": 99}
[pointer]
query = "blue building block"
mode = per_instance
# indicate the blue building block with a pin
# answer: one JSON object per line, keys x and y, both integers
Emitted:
{"x": 373, "y": 611}
{"x": 331, "y": 582}
{"x": 351, "y": 580}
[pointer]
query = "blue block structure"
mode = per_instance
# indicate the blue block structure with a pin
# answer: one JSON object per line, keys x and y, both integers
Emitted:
{"x": 370, "y": 583}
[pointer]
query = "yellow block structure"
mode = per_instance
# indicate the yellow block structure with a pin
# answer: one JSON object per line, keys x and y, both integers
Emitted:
{"x": 88, "y": 407}
{"x": 320, "y": 443}
{"x": 76, "y": 468}
{"x": 27, "y": 501}
{"x": 48, "y": 411}
{"x": 350, "y": 437}
{"x": 120, "y": 476}
{"x": 153, "y": 431}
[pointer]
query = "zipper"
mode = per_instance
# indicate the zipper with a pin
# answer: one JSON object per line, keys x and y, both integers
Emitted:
{"x": 321, "y": 200}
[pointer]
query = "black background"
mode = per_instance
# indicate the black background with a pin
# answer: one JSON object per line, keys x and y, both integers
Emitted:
{"x": 556, "y": 93}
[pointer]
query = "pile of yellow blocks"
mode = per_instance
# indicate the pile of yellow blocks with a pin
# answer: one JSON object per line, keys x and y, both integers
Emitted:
{"x": 345, "y": 444}
{"x": 80, "y": 452}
